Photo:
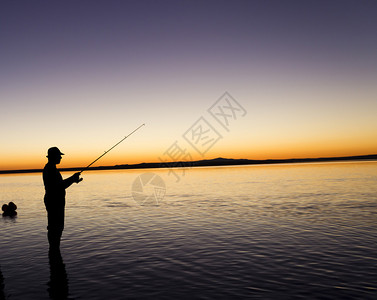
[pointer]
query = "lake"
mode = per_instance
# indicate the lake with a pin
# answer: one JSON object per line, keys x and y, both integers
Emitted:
{"x": 287, "y": 231}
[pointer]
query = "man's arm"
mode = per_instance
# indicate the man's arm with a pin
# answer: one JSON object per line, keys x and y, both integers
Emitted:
{"x": 74, "y": 178}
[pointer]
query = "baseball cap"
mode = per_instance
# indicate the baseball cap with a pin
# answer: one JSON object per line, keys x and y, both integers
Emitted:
{"x": 54, "y": 151}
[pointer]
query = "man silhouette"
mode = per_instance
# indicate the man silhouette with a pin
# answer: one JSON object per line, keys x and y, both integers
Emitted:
{"x": 54, "y": 198}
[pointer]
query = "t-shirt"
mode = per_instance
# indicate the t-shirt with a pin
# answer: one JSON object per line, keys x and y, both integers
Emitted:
{"x": 54, "y": 185}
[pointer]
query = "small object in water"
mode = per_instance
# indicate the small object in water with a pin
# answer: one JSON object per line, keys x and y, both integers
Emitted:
{"x": 4, "y": 207}
{"x": 9, "y": 209}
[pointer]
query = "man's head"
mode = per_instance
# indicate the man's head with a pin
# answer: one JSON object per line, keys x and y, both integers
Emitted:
{"x": 54, "y": 155}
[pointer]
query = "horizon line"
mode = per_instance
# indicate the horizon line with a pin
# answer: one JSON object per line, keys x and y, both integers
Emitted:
{"x": 219, "y": 161}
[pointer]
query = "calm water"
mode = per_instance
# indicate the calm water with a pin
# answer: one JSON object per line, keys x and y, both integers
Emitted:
{"x": 262, "y": 232}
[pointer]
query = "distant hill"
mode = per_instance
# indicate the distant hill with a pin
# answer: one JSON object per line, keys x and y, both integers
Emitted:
{"x": 209, "y": 162}
{"x": 229, "y": 161}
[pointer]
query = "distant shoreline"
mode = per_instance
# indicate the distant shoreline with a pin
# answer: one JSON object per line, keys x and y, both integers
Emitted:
{"x": 206, "y": 163}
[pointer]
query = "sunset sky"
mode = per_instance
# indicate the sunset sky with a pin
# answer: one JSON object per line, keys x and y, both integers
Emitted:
{"x": 81, "y": 75}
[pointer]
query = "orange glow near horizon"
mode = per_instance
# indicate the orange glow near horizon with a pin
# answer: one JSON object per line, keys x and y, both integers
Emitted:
{"x": 305, "y": 150}
{"x": 279, "y": 125}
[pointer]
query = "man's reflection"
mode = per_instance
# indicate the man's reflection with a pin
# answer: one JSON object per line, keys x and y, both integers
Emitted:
{"x": 2, "y": 295}
{"x": 58, "y": 284}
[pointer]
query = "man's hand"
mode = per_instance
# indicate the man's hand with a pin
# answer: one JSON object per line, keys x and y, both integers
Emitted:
{"x": 76, "y": 177}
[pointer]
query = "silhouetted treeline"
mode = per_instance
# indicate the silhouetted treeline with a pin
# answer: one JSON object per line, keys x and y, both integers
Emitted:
{"x": 208, "y": 162}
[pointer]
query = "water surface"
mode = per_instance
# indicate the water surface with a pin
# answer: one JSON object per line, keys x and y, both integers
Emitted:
{"x": 261, "y": 232}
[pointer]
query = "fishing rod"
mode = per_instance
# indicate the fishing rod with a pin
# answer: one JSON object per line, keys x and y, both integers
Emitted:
{"x": 87, "y": 167}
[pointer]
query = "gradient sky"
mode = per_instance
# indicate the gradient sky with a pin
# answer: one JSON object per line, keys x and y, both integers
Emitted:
{"x": 81, "y": 75}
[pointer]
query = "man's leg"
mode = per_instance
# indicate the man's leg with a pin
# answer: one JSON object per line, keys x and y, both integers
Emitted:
{"x": 55, "y": 226}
